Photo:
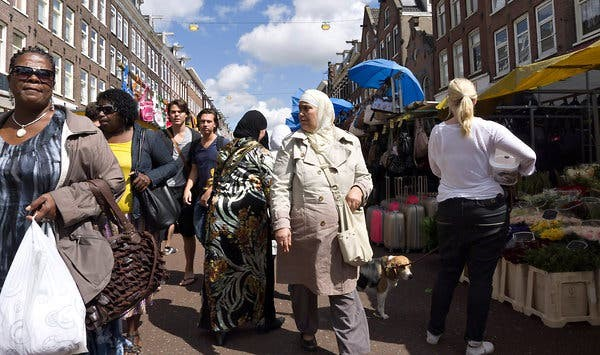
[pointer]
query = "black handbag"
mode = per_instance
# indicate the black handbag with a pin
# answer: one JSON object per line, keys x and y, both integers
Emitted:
{"x": 160, "y": 208}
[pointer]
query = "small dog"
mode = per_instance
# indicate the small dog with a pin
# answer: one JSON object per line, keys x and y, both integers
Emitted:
{"x": 383, "y": 273}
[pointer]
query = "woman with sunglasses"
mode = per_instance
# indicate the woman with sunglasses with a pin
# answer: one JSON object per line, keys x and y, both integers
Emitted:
{"x": 48, "y": 153}
{"x": 146, "y": 161}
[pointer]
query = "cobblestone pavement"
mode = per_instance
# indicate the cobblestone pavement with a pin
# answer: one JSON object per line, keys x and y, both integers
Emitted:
{"x": 170, "y": 326}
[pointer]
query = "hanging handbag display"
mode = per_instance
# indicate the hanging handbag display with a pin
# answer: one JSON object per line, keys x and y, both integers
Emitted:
{"x": 138, "y": 268}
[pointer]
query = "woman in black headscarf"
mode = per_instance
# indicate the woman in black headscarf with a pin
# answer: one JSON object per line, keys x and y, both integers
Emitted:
{"x": 238, "y": 269}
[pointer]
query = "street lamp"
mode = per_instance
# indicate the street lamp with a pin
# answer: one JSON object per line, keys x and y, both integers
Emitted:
{"x": 193, "y": 27}
{"x": 325, "y": 26}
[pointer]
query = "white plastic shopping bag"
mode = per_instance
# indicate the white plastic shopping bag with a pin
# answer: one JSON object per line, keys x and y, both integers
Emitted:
{"x": 41, "y": 310}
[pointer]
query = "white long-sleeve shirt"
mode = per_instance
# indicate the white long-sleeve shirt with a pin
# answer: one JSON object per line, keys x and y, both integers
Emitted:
{"x": 462, "y": 163}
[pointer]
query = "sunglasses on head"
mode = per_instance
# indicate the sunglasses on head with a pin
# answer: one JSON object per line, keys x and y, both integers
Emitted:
{"x": 106, "y": 109}
{"x": 46, "y": 76}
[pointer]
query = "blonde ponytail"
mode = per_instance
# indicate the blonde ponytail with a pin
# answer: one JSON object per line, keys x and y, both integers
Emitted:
{"x": 461, "y": 97}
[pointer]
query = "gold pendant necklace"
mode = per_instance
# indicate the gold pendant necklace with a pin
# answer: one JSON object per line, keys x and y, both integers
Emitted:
{"x": 21, "y": 132}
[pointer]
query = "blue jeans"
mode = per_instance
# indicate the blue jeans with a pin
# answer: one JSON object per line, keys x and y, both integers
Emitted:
{"x": 471, "y": 232}
{"x": 199, "y": 217}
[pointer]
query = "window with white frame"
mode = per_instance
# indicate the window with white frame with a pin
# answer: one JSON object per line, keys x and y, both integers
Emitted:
{"x": 84, "y": 87}
{"x": 125, "y": 33}
{"x": 497, "y": 5}
{"x": 522, "y": 47}
{"x": 18, "y": 41}
{"x": 84, "y": 38}
{"x": 21, "y": 5}
{"x": 93, "y": 88}
{"x": 57, "y": 73}
{"x": 113, "y": 19}
{"x": 119, "y": 26}
{"x": 454, "y": 13}
{"x": 113, "y": 60}
{"x": 43, "y": 13}
{"x": 472, "y": 6}
{"x": 386, "y": 17}
{"x": 94, "y": 45}
{"x": 587, "y": 18}
{"x": 119, "y": 69}
{"x": 457, "y": 59}
{"x": 474, "y": 52}
{"x": 388, "y": 40}
{"x": 443, "y": 68}
{"x": 101, "y": 85}
{"x": 102, "y": 52}
{"x": 85, "y": 3}
{"x": 3, "y": 46}
{"x": 94, "y": 9}
{"x": 396, "y": 39}
{"x": 57, "y": 22}
{"x": 382, "y": 49}
{"x": 546, "y": 30}
{"x": 69, "y": 26}
{"x": 68, "y": 79}
{"x": 143, "y": 48}
{"x": 441, "y": 19}
{"x": 501, "y": 50}
{"x": 102, "y": 11}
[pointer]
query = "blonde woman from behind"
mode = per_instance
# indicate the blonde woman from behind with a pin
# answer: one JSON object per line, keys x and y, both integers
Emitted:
{"x": 472, "y": 212}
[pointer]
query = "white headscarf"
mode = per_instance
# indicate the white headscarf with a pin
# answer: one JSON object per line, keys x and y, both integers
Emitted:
{"x": 324, "y": 135}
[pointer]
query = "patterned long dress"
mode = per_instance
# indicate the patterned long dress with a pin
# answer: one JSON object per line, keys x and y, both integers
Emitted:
{"x": 238, "y": 236}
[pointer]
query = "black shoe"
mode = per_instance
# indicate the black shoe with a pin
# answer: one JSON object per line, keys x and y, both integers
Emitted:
{"x": 272, "y": 324}
{"x": 309, "y": 345}
{"x": 220, "y": 338}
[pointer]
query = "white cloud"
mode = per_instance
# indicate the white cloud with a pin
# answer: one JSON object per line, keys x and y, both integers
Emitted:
{"x": 248, "y": 4}
{"x": 166, "y": 9}
{"x": 277, "y": 12}
{"x": 301, "y": 41}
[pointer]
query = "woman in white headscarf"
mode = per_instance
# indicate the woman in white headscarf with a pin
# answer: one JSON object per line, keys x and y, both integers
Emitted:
{"x": 305, "y": 221}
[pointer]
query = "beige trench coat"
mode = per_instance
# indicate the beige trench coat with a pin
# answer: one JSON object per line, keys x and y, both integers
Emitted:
{"x": 301, "y": 199}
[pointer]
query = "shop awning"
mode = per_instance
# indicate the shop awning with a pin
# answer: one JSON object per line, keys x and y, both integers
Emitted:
{"x": 546, "y": 72}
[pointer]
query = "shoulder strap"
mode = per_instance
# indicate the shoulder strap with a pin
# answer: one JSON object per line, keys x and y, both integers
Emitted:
{"x": 143, "y": 133}
{"x": 220, "y": 140}
{"x": 106, "y": 200}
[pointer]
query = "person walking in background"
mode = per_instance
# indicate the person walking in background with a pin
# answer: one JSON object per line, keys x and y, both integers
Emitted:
{"x": 238, "y": 265}
{"x": 146, "y": 161}
{"x": 471, "y": 217}
{"x": 182, "y": 138}
{"x": 47, "y": 155}
{"x": 277, "y": 135}
{"x": 305, "y": 221}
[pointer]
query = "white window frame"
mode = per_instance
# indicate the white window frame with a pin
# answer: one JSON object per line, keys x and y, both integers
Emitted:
{"x": 518, "y": 37}
{"x": 57, "y": 19}
{"x": 443, "y": 63}
{"x": 113, "y": 19}
{"x": 472, "y": 6}
{"x": 22, "y": 43}
{"x": 544, "y": 53}
{"x": 455, "y": 16}
{"x": 69, "y": 26}
{"x": 101, "y": 86}
{"x": 102, "y": 11}
{"x": 43, "y": 15}
{"x": 125, "y": 33}
{"x": 395, "y": 42}
{"x": 113, "y": 60}
{"x": 94, "y": 8}
{"x": 3, "y": 47}
{"x": 497, "y": 5}
{"x": 388, "y": 46}
{"x": 57, "y": 73}
{"x": 102, "y": 51}
{"x": 93, "y": 88}
{"x": 86, "y": 4}
{"x": 69, "y": 80}
{"x": 119, "y": 26}
{"x": 386, "y": 17}
{"x": 21, "y": 5}
{"x": 441, "y": 19}
{"x": 498, "y": 47}
{"x": 83, "y": 98}
{"x": 85, "y": 30}
{"x": 457, "y": 59}
{"x": 583, "y": 13}
{"x": 472, "y": 45}
{"x": 94, "y": 45}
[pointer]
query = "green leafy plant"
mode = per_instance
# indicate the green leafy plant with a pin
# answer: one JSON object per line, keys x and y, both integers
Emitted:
{"x": 429, "y": 230}
{"x": 556, "y": 257}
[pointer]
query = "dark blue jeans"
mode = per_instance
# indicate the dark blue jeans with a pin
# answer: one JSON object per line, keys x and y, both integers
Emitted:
{"x": 471, "y": 232}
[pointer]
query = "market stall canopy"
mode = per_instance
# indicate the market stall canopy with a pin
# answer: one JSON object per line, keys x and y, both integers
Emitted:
{"x": 546, "y": 72}
{"x": 409, "y": 87}
{"x": 341, "y": 105}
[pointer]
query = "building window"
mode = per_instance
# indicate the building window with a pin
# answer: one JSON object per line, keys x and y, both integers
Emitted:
{"x": 386, "y": 18}
{"x": 119, "y": 69}
{"x": 497, "y": 5}
{"x": 443, "y": 68}
{"x": 388, "y": 40}
{"x": 102, "y": 52}
{"x": 58, "y": 74}
{"x": 472, "y": 6}
{"x": 102, "y": 11}
{"x": 113, "y": 20}
{"x": 454, "y": 13}
{"x": 522, "y": 47}
{"x": 18, "y": 42}
{"x": 84, "y": 38}
{"x": 125, "y": 33}
{"x": 382, "y": 49}
{"x": 94, "y": 8}
{"x": 21, "y": 5}
{"x": 457, "y": 59}
{"x": 93, "y": 88}
{"x": 113, "y": 60}
{"x": 69, "y": 26}
{"x": 3, "y": 46}
{"x": 501, "y": 48}
{"x": 396, "y": 39}
{"x": 441, "y": 19}
{"x": 68, "y": 79}
{"x": 545, "y": 29}
{"x": 119, "y": 26}
{"x": 143, "y": 48}
{"x": 57, "y": 23}
{"x": 84, "y": 87}
{"x": 94, "y": 45}
{"x": 85, "y": 3}
{"x": 474, "y": 52}
{"x": 43, "y": 12}
{"x": 101, "y": 86}
{"x": 587, "y": 18}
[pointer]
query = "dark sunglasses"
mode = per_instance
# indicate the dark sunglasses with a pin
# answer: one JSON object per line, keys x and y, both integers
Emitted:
{"x": 107, "y": 109}
{"x": 23, "y": 73}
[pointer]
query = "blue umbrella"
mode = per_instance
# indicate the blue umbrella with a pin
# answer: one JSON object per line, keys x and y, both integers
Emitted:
{"x": 341, "y": 105}
{"x": 373, "y": 73}
{"x": 409, "y": 86}
{"x": 294, "y": 122}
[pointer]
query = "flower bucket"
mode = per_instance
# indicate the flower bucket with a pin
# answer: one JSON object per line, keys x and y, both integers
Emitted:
{"x": 513, "y": 284}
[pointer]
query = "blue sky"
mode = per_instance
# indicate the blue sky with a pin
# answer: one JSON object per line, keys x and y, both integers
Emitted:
{"x": 255, "y": 54}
